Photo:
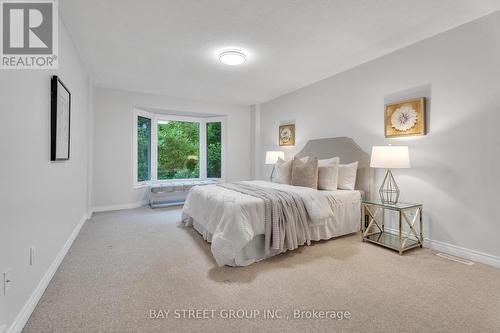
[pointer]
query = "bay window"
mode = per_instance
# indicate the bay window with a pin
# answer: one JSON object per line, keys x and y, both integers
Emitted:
{"x": 172, "y": 147}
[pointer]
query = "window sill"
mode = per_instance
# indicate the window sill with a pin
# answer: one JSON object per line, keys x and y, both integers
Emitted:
{"x": 141, "y": 185}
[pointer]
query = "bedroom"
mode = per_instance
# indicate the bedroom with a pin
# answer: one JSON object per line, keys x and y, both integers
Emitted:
{"x": 81, "y": 249}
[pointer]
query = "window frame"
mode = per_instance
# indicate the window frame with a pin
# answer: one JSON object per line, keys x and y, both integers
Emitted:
{"x": 158, "y": 117}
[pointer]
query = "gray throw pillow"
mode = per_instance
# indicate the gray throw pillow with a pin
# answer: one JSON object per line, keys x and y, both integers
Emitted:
{"x": 305, "y": 173}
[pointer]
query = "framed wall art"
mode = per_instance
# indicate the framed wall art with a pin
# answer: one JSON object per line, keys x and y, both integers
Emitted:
{"x": 405, "y": 118}
{"x": 60, "y": 120}
{"x": 287, "y": 135}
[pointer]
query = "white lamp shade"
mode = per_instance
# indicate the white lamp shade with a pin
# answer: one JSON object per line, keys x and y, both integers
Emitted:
{"x": 390, "y": 157}
{"x": 272, "y": 156}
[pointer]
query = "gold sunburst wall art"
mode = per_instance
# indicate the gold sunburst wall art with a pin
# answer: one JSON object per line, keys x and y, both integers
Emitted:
{"x": 405, "y": 118}
{"x": 287, "y": 135}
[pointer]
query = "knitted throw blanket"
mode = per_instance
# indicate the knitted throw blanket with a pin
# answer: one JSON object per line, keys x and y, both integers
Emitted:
{"x": 285, "y": 216}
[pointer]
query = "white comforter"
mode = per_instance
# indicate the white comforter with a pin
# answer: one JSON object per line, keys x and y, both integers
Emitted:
{"x": 234, "y": 219}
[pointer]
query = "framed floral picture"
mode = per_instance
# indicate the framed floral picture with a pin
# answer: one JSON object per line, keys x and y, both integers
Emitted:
{"x": 287, "y": 135}
{"x": 405, "y": 118}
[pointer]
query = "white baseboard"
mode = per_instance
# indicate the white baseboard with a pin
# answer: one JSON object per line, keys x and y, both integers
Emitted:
{"x": 462, "y": 252}
{"x": 23, "y": 316}
{"x": 458, "y": 251}
{"x": 119, "y": 206}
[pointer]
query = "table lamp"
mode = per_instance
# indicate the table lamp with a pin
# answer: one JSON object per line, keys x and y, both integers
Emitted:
{"x": 272, "y": 158}
{"x": 389, "y": 157}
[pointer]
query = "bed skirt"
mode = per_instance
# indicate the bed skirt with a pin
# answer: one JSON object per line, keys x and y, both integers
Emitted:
{"x": 254, "y": 250}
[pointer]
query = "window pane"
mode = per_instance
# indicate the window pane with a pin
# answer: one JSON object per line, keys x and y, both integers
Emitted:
{"x": 178, "y": 149}
{"x": 214, "y": 150}
{"x": 143, "y": 149}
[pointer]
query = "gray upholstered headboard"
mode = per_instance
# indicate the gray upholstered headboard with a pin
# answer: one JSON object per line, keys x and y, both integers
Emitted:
{"x": 348, "y": 151}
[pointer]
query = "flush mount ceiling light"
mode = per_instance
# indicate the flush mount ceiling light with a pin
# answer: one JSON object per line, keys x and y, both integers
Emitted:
{"x": 232, "y": 57}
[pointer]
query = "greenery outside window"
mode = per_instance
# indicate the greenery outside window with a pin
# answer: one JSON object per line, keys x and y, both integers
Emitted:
{"x": 143, "y": 149}
{"x": 178, "y": 150}
{"x": 214, "y": 149}
{"x": 171, "y": 147}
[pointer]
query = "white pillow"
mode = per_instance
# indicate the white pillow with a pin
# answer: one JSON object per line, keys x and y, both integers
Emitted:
{"x": 347, "y": 176}
{"x": 328, "y": 174}
{"x": 333, "y": 160}
{"x": 282, "y": 171}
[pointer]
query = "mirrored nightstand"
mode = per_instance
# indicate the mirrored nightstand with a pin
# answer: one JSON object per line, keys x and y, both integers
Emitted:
{"x": 398, "y": 240}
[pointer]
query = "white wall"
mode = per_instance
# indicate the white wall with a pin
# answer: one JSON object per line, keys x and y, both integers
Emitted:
{"x": 113, "y": 126}
{"x": 455, "y": 167}
{"x": 41, "y": 201}
{"x": 255, "y": 140}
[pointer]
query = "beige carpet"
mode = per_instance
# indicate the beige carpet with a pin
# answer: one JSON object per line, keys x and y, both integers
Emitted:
{"x": 126, "y": 263}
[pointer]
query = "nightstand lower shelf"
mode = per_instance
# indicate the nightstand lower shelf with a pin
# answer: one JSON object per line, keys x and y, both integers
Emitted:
{"x": 391, "y": 241}
{"x": 409, "y": 216}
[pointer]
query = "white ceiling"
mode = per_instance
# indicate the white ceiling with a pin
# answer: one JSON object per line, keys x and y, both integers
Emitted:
{"x": 169, "y": 46}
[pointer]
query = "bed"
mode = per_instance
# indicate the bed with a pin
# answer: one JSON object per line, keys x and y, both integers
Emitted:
{"x": 233, "y": 222}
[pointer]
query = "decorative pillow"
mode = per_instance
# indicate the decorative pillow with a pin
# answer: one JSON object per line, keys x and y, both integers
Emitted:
{"x": 328, "y": 174}
{"x": 282, "y": 171}
{"x": 305, "y": 173}
{"x": 347, "y": 176}
{"x": 329, "y": 161}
